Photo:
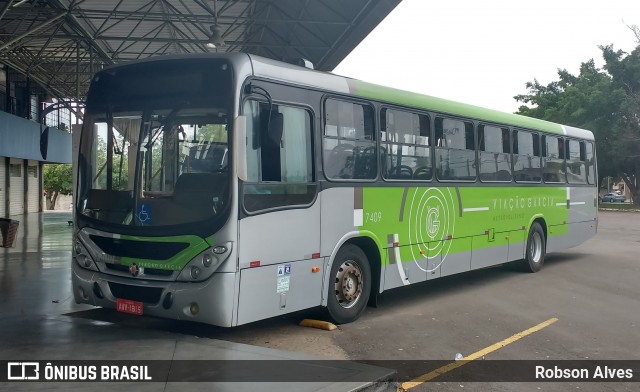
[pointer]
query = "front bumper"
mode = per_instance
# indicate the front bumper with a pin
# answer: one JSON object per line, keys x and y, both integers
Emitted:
{"x": 215, "y": 296}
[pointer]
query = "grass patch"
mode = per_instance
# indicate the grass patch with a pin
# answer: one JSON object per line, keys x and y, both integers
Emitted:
{"x": 618, "y": 206}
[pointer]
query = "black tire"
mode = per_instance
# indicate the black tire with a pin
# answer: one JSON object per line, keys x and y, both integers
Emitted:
{"x": 349, "y": 285}
{"x": 536, "y": 249}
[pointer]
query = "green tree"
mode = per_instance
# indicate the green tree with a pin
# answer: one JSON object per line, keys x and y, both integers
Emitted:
{"x": 605, "y": 101}
{"x": 216, "y": 133}
{"x": 625, "y": 137}
{"x": 57, "y": 181}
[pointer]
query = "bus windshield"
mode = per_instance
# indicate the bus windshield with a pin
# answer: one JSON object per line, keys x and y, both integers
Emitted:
{"x": 154, "y": 166}
{"x": 154, "y": 145}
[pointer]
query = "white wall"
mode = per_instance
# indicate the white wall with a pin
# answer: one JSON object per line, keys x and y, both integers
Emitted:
{"x": 33, "y": 202}
{"x": 63, "y": 203}
{"x": 16, "y": 191}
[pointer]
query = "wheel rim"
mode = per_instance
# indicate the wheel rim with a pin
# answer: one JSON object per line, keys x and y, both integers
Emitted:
{"x": 348, "y": 285}
{"x": 535, "y": 248}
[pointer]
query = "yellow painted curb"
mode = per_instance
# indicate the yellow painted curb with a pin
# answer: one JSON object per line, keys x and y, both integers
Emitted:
{"x": 327, "y": 326}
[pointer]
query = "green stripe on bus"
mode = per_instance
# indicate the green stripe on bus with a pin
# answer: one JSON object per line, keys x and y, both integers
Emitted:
{"x": 400, "y": 97}
{"x": 434, "y": 216}
{"x": 175, "y": 263}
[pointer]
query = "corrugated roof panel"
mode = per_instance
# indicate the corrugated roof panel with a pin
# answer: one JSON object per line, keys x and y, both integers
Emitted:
{"x": 101, "y": 32}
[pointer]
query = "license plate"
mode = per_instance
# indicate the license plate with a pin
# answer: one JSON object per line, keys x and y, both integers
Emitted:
{"x": 129, "y": 306}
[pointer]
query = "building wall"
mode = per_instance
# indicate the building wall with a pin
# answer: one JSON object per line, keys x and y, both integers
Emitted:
{"x": 20, "y": 187}
{"x": 16, "y": 187}
{"x": 622, "y": 187}
{"x": 20, "y": 138}
{"x": 63, "y": 203}
{"x": 33, "y": 194}
{"x": 21, "y": 163}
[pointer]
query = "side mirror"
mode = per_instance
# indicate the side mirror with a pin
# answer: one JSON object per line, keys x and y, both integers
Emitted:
{"x": 271, "y": 128}
{"x": 276, "y": 128}
{"x": 240, "y": 146}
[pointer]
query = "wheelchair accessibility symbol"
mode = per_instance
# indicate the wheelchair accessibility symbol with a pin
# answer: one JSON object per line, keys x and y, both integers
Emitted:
{"x": 144, "y": 214}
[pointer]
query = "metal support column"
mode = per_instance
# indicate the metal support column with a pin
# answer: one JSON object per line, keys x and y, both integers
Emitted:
{"x": 7, "y": 186}
{"x": 25, "y": 186}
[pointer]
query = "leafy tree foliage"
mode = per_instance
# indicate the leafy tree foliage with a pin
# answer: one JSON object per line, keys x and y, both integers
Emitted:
{"x": 57, "y": 180}
{"x": 605, "y": 101}
{"x": 216, "y": 133}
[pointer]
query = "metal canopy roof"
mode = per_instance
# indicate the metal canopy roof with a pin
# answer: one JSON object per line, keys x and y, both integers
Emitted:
{"x": 61, "y": 43}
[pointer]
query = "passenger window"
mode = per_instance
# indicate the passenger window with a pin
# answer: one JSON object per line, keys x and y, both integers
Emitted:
{"x": 405, "y": 140}
{"x": 455, "y": 150}
{"x": 591, "y": 163}
{"x": 576, "y": 165}
{"x": 553, "y": 159}
{"x": 279, "y": 172}
{"x": 495, "y": 154}
{"x": 349, "y": 147}
{"x": 526, "y": 157}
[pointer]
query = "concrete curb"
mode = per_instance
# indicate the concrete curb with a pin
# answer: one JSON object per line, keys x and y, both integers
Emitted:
{"x": 618, "y": 210}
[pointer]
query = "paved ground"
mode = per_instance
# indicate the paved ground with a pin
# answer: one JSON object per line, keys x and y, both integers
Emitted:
{"x": 592, "y": 290}
{"x": 40, "y": 321}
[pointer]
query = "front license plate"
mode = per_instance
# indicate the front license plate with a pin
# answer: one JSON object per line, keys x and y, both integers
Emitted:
{"x": 129, "y": 306}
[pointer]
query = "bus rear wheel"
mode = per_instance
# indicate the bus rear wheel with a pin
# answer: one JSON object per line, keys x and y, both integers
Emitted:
{"x": 536, "y": 249}
{"x": 350, "y": 284}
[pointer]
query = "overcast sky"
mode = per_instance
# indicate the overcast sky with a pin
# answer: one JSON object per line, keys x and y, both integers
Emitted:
{"x": 483, "y": 52}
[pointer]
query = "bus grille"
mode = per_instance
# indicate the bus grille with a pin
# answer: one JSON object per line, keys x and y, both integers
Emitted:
{"x": 147, "y": 271}
{"x": 138, "y": 249}
{"x": 149, "y": 295}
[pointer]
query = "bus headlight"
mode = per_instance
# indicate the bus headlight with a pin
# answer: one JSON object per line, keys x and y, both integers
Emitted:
{"x": 78, "y": 247}
{"x": 207, "y": 260}
{"x": 84, "y": 261}
{"x": 195, "y": 272}
{"x": 82, "y": 257}
{"x": 205, "y": 264}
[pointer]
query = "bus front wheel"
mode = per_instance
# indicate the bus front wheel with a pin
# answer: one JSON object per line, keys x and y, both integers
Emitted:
{"x": 350, "y": 284}
{"x": 536, "y": 248}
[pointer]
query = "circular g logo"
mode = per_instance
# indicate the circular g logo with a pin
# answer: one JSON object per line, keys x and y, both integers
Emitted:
{"x": 431, "y": 221}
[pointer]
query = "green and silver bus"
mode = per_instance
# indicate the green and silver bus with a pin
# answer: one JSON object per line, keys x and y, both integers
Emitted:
{"x": 229, "y": 188}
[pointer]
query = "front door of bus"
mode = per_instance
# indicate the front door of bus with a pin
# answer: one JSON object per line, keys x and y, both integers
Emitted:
{"x": 279, "y": 238}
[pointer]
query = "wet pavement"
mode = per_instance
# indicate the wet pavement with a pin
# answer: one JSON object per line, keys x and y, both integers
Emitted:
{"x": 41, "y": 322}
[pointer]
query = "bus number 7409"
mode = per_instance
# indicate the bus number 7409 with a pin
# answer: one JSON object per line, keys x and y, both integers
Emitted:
{"x": 374, "y": 217}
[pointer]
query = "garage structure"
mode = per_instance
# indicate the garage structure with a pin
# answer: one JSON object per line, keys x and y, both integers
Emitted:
{"x": 22, "y": 162}
{"x": 49, "y": 50}
{"x": 59, "y": 44}
{"x": 17, "y": 186}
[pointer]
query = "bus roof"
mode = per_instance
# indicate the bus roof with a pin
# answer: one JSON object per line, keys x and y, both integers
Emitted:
{"x": 267, "y": 68}
{"x": 285, "y": 72}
